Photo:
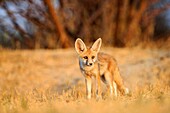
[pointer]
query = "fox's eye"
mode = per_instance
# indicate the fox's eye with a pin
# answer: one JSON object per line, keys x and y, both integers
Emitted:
{"x": 93, "y": 57}
{"x": 85, "y": 57}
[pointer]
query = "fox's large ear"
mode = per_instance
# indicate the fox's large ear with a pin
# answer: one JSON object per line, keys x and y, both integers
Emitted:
{"x": 80, "y": 46}
{"x": 97, "y": 44}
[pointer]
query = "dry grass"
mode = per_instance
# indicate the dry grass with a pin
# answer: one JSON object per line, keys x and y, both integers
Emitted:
{"x": 49, "y": 81}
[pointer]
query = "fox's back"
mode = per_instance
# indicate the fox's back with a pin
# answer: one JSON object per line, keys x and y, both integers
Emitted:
{"x": 105, "y": 58}
{"x": 106, "y": 62}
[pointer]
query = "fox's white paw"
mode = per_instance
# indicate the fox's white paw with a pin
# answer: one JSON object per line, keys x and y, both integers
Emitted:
{"x": 126, "y": 91}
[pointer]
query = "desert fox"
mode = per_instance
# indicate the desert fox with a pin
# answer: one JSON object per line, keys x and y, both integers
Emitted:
{"x": 101, "y": 66}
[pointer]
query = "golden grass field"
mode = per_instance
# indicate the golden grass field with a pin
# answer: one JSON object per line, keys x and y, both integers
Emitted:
{"x": 49, "y": 81}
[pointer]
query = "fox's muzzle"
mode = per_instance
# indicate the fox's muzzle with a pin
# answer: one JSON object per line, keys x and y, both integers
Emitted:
{"x": 89, "y": 63}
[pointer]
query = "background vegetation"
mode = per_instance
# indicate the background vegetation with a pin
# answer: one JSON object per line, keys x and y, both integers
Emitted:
{"x": 34, "y": 24}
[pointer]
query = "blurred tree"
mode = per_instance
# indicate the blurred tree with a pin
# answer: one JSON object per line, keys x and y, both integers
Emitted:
{"x": 27, "y": 23}
{"x": 65, "y": 41}
{"x": 53, "y": 24}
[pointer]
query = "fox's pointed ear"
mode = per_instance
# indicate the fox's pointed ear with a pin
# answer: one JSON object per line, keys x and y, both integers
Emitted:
{"x": 80, "y": 46}
{"x": 97, "y": 44}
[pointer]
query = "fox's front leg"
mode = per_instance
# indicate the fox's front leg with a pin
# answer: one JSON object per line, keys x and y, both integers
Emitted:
{"x": 88, "y": 81}
{"x": 98, "y": 87}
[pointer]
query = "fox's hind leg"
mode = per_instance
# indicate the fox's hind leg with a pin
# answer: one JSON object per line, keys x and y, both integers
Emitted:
{"x": 109, "y": 81}
{"x": 115, "y": 88}
{"x": 119, "y": 82}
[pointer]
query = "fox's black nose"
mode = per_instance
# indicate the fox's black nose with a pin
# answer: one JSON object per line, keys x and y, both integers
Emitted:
{"x": 90, "y": 64}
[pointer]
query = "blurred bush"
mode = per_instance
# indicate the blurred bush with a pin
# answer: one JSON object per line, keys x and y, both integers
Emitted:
{"x": 34, "y": 24}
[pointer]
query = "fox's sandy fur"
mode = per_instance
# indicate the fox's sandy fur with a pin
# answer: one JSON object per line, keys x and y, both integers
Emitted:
{"x": 101, "y": 66}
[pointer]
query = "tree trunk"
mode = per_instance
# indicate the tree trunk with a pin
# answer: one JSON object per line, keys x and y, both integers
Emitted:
{"x": 63, "y": 37}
